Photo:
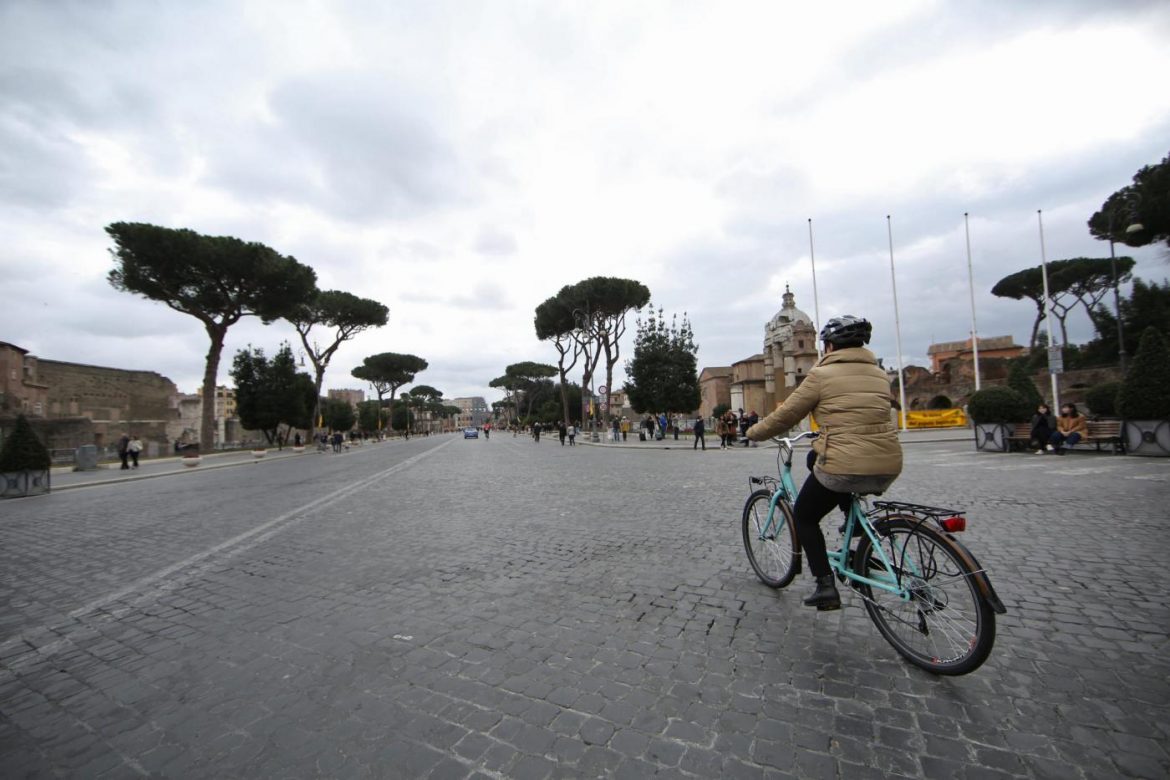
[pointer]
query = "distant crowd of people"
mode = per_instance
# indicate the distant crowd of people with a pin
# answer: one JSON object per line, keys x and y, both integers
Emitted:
{"x": 731, "y": 427}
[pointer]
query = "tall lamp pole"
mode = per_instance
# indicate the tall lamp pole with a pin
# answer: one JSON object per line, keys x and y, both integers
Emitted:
{"x": 971, "y": 286}
{"x": 897, "y": 324}
{"x": 1047, "y": 309}
{"x": 1133, "y": 227}
{"x": 1117, "y": 299}
{"x": 816, "y": 298}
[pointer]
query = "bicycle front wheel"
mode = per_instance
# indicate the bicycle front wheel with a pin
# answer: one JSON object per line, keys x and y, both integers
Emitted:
{"x": 940, "y": 622}
{"x": 771, "y": 548}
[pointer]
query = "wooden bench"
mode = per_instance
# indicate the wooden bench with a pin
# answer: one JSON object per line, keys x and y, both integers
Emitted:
{"x": 1104, "y": 432}
{"x": 1019, "y": 437}
{"x": 1099, "y": 432}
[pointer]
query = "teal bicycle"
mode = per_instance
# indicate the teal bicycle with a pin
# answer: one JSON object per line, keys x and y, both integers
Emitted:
{"x": 922, "y": 588}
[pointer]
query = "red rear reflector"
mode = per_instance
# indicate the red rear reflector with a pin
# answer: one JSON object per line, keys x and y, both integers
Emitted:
{"x": 954, "y": 524}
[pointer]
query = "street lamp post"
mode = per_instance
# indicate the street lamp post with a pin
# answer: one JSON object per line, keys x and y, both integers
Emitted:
{"x": 1134, "y": 227}
{"x": 1048, "y": 313}
{"x": 1117, "y": 299}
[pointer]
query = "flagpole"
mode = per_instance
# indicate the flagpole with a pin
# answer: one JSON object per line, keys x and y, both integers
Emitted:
{"x": 897, "y": 324}
{"x": 816, "y": 298}
{"x": 971, "y": 286}
{"x": 1047, "y": 309}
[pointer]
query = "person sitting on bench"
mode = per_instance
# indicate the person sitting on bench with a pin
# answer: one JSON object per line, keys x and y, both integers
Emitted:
{"x": 1071, "y": 427}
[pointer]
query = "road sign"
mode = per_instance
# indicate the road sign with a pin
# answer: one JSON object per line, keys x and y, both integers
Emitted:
{"x": 603, "y": 390}
{"x": 1055, "y": 360}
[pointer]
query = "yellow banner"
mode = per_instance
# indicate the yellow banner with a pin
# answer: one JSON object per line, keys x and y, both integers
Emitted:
{"x": 936, "y": 418}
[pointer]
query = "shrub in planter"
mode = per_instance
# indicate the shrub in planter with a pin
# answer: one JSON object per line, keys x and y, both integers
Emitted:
{"x": 189, "y": 455}
{"x": 994, "y": 410}
{"x": 1144, "y": 399}
{"x": 24, "y": 462}
{"x": 999, "y": 405}
{"x": 1102, "y": 399}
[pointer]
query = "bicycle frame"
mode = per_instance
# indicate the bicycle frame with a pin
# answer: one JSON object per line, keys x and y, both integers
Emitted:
{"x": 839, "y": 560}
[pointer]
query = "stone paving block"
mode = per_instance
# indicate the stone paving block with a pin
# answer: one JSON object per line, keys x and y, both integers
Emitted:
{"x": 666, "y": 752}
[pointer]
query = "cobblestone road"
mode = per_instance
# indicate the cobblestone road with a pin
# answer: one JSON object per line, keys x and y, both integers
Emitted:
{"x": 448, "y": 608}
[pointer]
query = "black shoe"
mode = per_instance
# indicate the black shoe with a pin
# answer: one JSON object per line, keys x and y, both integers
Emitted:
{"x": 825, "y": 596}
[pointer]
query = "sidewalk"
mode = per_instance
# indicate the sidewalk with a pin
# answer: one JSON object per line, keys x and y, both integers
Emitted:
{"x": 65, "y": 478}
{"x": 686, "y": 441}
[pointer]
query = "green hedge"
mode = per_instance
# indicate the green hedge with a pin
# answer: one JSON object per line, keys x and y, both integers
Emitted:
{"x": 1102, "y": 399}
{"x": 1145, "y": 393}
{"x": 999, "y": 405}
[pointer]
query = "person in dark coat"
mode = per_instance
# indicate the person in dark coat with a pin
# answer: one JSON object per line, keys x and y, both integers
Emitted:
{"x": 1043, "y": 424}
{"x": 700, "y": 429}
{"x": 124, "y": 451}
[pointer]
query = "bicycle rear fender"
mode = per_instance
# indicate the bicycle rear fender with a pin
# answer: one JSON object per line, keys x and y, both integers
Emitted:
{"x": 982, "y": 581}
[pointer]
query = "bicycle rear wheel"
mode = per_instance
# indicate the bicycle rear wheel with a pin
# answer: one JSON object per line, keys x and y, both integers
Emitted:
{"x": 945, "y": 625}
{"x": 771, "y": 550}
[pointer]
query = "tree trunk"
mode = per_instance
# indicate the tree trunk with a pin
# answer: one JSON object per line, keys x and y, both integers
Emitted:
{"x": 564, "y": 392}
{"x": 215, "y": 332}
{"x": 610, "y": 361}
{"x": 319, "y": 370}
{"x": 1040, "y": 315}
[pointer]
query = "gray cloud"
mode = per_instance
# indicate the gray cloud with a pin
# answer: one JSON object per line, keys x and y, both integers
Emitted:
{"x": 349, "y": 143}
{"x": 493, "y": 241}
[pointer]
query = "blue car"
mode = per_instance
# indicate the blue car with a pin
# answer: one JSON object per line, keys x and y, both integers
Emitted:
{"x": 470, "y": 433}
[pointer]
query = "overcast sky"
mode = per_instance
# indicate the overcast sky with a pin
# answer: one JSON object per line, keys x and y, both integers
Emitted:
{"x": 461, "y": 161}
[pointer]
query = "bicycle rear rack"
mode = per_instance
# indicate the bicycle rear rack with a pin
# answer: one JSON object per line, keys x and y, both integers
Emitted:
{"x": 921, "y": 511}
{"x": 949, "y": 520}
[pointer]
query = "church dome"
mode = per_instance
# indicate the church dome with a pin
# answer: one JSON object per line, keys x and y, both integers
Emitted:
{"x": 788, "y": 314}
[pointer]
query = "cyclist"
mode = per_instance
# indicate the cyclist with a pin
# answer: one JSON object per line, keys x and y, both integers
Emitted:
{"x": 858, "y": 449}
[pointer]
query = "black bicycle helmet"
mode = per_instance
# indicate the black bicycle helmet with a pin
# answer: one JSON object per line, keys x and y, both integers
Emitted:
{"x": 846, "y": 331}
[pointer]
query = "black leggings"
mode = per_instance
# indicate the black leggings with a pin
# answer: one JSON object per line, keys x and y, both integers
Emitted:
{"x": 814, "y": 502}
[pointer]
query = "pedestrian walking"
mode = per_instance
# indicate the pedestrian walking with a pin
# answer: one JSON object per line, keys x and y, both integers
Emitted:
{"x": 616, "y": 430}
{"x": 562, "y": 431}
{"x": 536, "y": 432}
{"x": 662, "y": 423}
{"x": 124, "y": 451}
{"x": 625, "y": 428}
{"x": 573, "y": 434}
{"x": 134, "y": 447}
{"x": 700, "y": 429}
{"x": 729, "y": 428}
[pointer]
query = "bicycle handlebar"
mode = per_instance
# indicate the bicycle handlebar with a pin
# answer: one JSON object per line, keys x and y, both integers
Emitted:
{"x": 789, "y": 441}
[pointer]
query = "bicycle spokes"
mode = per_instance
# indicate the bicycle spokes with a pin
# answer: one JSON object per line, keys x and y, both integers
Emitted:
{"x": 932, "y": 611}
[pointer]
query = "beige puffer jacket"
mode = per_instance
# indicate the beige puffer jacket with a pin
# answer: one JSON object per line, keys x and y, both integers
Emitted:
{"x": 849, "y": 394}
